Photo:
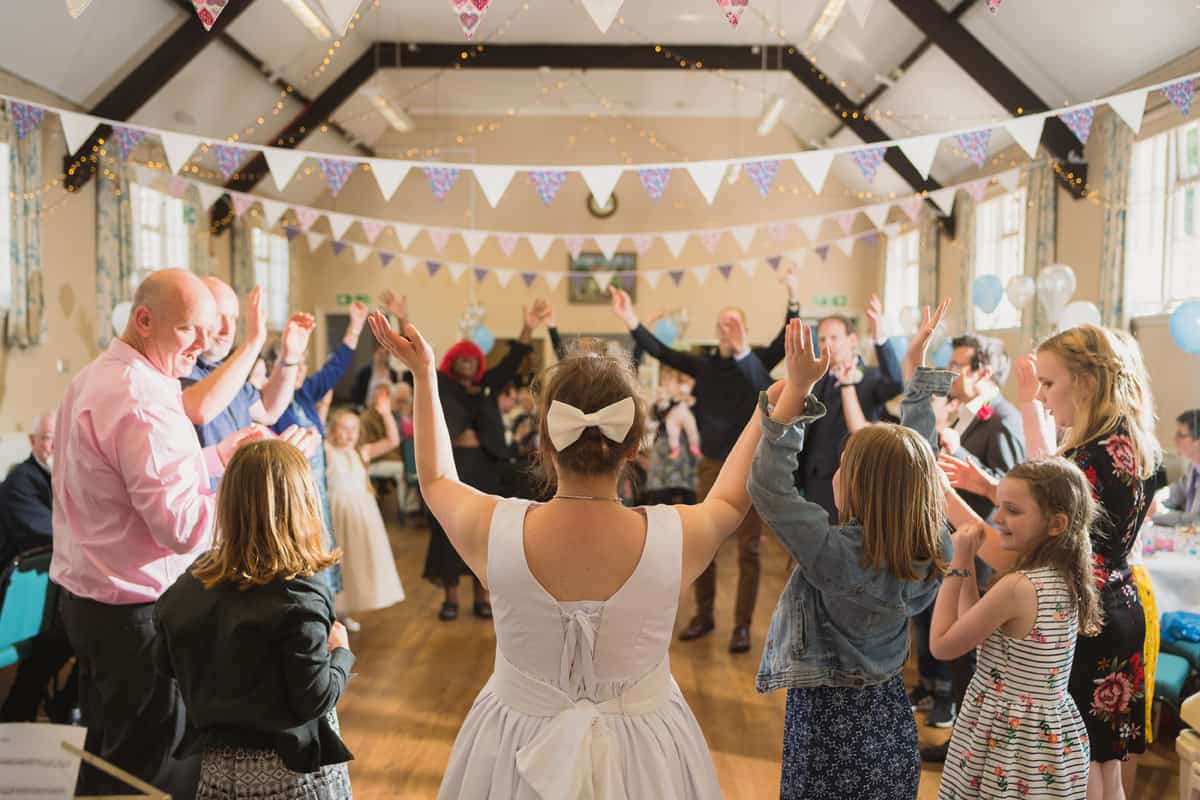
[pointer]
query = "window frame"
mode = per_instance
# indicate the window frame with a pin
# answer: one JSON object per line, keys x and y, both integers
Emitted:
{"x": 170, "y": 229}
{"x": 274, "y": 277}
{"x": 1006, "y": 317}
{"x": 893, "y": 272}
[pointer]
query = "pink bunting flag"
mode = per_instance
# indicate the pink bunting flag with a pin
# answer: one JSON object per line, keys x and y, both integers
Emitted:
{"x": 470, "y": 14}
{"x": 773, "y": 262}
{"x": 574, "y": 245}
{"x": 385, "y": 257}
{"x": 1079, "y": 121}
{"x": 642, "y": 242}
{"x": 337, "y": 246}
{"x": 229, "y": 158}
{"x": 733, "y": 9}
{"x": 336, "y": 171}
{"x": 480, "y": 274}
{"x": 974, "y": 145}
{"x": 441, "y": 179}
{"x": 547, "y": 183}
{"x": 508, "y": 243}
{"x": 845, "y": 220}
{"x": 977, "y": 188}
{"x": 1180, "y": 94}
{"x": 241, "y": 203}
{"x": 177, "y": 186}
{"x": 25, "y": 117}
{"x": 993, "y": 5}
{"x": 676, "y": 276}
{"x": 372, "y": 229}
{"x": 127, "y": 139}
{"x": 822, "y": 252}
{"x": 912, "y": 206}
{"x": 777, "y": 231}
{"x": 868, "y": 160}
{"x": 762, "y": 174}
{"x": 208, "y": 11}
{"x": 725, "y": 269}
{"x": 528, "y": 278}
{"x": 432, "y": 267}
{"x": 654, "y": 181}
{"x": 306, "y": 217}
{"x": 439, "y": 237}
{"x": 709, "y": 239}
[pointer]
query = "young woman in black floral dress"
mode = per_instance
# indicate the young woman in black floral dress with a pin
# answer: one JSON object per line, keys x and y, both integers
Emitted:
{"x": 1091, "y": 384}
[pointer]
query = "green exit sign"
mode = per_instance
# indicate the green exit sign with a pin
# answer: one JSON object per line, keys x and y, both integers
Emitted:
{"x": 835, "y": 300}
{"x": 347, "y": 299}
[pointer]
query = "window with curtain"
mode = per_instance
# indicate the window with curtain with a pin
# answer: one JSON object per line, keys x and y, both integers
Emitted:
{"x": 1000, "y": 251}
{"x": 5, "y": 230}
{"x": 272, "y": 272}
{"x": 160, "y": 232}
{"x": 902, "y": 272}
{"x": 1162, "y": 222}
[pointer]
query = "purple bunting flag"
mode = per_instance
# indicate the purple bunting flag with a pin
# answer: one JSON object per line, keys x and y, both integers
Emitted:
{"x": 441, "y": 179}
{"x": 774, "y": 261}
{"x": 336, "y": 171}
{"x": 291, "y": 231}
{"x": 480, "y": 274}
{"x": 337, "y": 246}
{"x": 868, "y": 160}
{"x": 229, "y": 158}
{"x": 528, "y": 278}
{"x": 385, "y": 257}
{"x": 725, "y": 269}
{"x": 762, "y": 174}
{"x": 974, "y": 145}
{"x": 127, "y": 139}
{"x": 1180, "y": 94}
{"x": 627, "y": 280}
{"x": 25, "y": 117}
{"x": 676, "y": 276}
{"x": 547, "y": 183}
{"x": 822, "y": 252}
{"x": 1079, "y": 121}
{"x": 871, "y": 239}
{"x": 579, "y": 280}
{"x": 432, "y": 267}
{"x": 654, "y": 181}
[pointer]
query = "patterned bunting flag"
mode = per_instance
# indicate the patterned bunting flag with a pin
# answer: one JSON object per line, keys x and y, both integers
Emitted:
{"x": 439, "y": 237}
{"x": 822, "y": 252}
{"x": 385, "y": 257}
{"x": 642, "y": 242}
{"x": 547, "y": 183}
{"x": 432, "y": 267}
{"x": 912, "y": 206}
{"x": 1180, "y": 94}
{"x": 975, "y": 144}
{"x": 762, "y": 174}
{"x": 676, "y": 276}
{"x": 441, "y": 179}
{"x": 470, "y": 14}
{"x": 1079, "y": 121}
{"x": 372, "y": 228}
{"x": 508, "y": 243}
{"x": 229, "y": 158}
{"x": 774, "y": 262}
{"x": 733, "y": 9}
{"x": 528, "y": 278}
{"x": 574, "y": 245}
{"x": 709, "y": 239}
{"x": 336, "y": 171}
{"x": 993, "y": 5}
{"x": 654, "y": 181}
{"x": 868, "y": 160}
{"x": 725, "y": 269}
{"x": 337, "y": 246}
{"x": 25, "y": 117}
{"x": 306, "y": 217}
{"x": 480, "y": 274}
{"x": 208, "y": 11}
{"x": 291, "y": 231}
{"x": 127, "y": 139}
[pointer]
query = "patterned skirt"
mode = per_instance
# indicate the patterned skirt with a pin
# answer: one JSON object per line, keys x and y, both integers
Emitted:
{"x": 841, "y": 743}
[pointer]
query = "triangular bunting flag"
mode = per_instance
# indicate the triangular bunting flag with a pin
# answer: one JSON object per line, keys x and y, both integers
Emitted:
{"x": 456, "y": 270}
{"x": 405, "y": 233}
{"x": 600, "y": 181}
{"x": 291, "y": 232}
{"x": 762, "y": 174}
{"x": 208, "y": 11}
{"x": 920, "y": 151}
{"x": 700, "y": 274}
{"x": 441, "y": 179}
{"x": 439, "y": 237}
{"x": 552, "y": 279}
{"x": 877, "y": 214}
{"x": 508, "y": 242}
{"x": 493, "y": 181}
{"x": 642, "y": 243}
{"x": 675, "y": 241}
{"x": 480, "y": 274}
{"x": 654, "y": 181}
{"x": 822, "y": 251}
{"x": 676, "y": 276}
{"x": 76, "y": 129}
{"x": 607, "y": 243}
{"x": 361, "y": 251}
{"x": 845, "y": 219}
{"x": 385, "y": 257}
{"x": 408, "y": 263}
{"x": 178, "y": 148}
{"x": 283, "y": 164}
{"x": 603, "y": 279}
{"x": 777, "y": 231}
{"x": 306, "y": 217}
{"x": 944, "y": 199}
{"x": 547, "y": 183}
{"x": 337, "y": 247}
{"x": 744, "y": 235}
{"x": 432, "y": 267}
{"x": 773, "y": 262}
{"x": 709, "y": 239}
{"x": 993, "y": 5}
{"x": 1079, "y": 121}
{"x": 528, "y": 278}
{"x": 126, "y": 138}
{"x": 1180, "y": 94}
{"x": 339, "y": 223}
{"x": 209, "y": 194}
{"x": 337, "y": 172}
{"x": 733, "y": 9}
{"x": 540, "y": 243}
{"x": 241, "y": 203}
{"x": 868, "y": 160}
{"x": 1130, "y": 107}
{"x": 574, "y": 245}
{"x": 861, "y": 10}
{"x": 470, "y": 14}
{"x": 340, "y": 12}
{"x": 314, "y": 241}
{"x": 372, "y": 228}
{"x": 974, "y": 145}
{"x": 707, "y": 176}
{"x": 651, "y": 278}
{"x": 1027, "y": 131}
{"x": 177, "y": 186}
{"x": 603, "y": 12}
{"x": 229, "y": 158}
{"x": 388, "y": 174}
{"x": 811, "y": 226}
{"x": 503, "y": 276}
{"x": 911, "y": 206}
{"x": 894, "y": 228}
{"x": 846, "y": 245}
{"x": 1009, "y": 179}
{"x": 749, "y": 266}
{"x": 75, "y": 8}
{"x": 725, "y": 269}
{"x": 977, "y": 188}
{"x": 473, "y": 240}
{"x": 814, "y": 166}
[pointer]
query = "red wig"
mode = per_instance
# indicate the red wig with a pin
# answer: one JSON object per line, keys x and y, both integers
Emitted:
{"x": 464, "y": 349}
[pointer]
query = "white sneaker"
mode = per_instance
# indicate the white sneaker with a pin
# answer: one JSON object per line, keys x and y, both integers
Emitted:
{"x": 351, "y": 624}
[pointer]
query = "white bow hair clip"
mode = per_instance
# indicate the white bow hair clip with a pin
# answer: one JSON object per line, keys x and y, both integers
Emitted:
{"x": 566, "y": 423}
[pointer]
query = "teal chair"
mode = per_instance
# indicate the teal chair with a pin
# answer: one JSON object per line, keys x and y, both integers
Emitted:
{"x": 1169, "y": 678}
{"x": 27, "y": 603}
{"x": 1190, "y": 651}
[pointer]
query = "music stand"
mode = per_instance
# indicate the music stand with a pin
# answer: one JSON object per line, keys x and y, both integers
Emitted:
{"x": 147, "y": 791}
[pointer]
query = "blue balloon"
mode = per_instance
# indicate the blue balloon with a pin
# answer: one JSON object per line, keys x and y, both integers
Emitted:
{"x": 941, "y": 356}
{"x": 484, "y": 338}
{"x": 666, "y": 330}
{"x": 899, "y": 346}
{"x": 986, "y": 292}
{"x": 1185, "y": 327}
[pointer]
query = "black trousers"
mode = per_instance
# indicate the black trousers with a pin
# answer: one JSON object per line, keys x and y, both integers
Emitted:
{"x": 48, "y": 654}
{"x": 134, "y": 714}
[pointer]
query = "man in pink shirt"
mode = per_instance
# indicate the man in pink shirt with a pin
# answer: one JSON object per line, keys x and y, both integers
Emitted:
{"x": 132, "y": 510}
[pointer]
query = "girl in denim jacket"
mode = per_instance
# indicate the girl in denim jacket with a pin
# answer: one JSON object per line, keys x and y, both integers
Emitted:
{"x": 839, "y": 635}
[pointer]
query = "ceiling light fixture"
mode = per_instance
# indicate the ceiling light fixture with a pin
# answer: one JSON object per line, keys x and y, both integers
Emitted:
{"x": 310, "y": 16}
{"x": 829, "y": 17}
{"x": 398, "y": 118}
{"x": 770, "y": 116}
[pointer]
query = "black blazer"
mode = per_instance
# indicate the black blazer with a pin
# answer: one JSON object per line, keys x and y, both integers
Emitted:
{"x": 253, "y": 668}
{"x": 25, "y": 509}
{"x": 995, "y": 445}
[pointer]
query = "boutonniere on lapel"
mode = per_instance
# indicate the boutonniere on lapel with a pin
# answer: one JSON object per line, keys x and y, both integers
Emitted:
{"x": 985, "y": 412}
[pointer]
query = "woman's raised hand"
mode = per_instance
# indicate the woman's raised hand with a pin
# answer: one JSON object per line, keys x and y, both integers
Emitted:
{"x": 410, "y": 347}
{"x": 918, "y": 346}
{"x": 804, "y": 367}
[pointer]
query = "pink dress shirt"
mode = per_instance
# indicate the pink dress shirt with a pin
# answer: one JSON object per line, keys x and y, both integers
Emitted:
{"x": 132, "y": 506}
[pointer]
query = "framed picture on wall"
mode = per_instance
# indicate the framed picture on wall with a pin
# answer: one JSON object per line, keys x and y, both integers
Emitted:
{"x": 583, "y": 290}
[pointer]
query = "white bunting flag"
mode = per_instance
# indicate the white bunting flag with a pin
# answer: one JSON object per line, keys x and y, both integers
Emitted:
{"x": 179, "y": 148}
{"x": 409, "y": 263}
{"x": 811, "y": 226}
{"x": 1027, "y": 131}
{"x": 814, "y": 166}
{"x": 749, "y": 266}
{"x": 552, "y": 279}
{"x": 1130, "y": 107}
{"x": 209, "y": 194}
{"x": 540, "y": 243}
{"x": 456, "y": 270}
{"x": 361, "y": 251}
{"x": 603, "y": 12}
{"x": 405, "y": 233}
{"x": 1009, "y": 179}
{"x": 314, "y": 240}
{"x": 339, "y": 14}
{"x": 272, "y": 210}
{"x": 75, "y": 8}
{"x": 388, "y": 174}
{"x": 877, "y": 214}
{"x": 600, "y": 181}
{"x": 944, "y": 199}
{"x": 920, "y": 151}
{"x": 700, "y": 274}
{"x": 493, "y": 181}
{"x": 846, "y": 245}
{"x": 603, "y": 279}
{"x": 675, "y": 241}
{"x": 473, "y": 240}
{"x": 861, "y": 10}
{"x": 283, "y": 164}
{"x": 607, "y": 243}
{"x": 707, "y": 175}
{"x": 651, "y": 278}
{"x": 339, "y": 223}
{"x": 76, "y": 128}
{"x": 744, "y": 236}
{"x": 503, "y": 276}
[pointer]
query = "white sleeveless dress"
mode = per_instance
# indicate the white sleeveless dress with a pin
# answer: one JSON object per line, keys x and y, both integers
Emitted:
{"x": 369, "y": 576}
{"x": 582, "y": 703}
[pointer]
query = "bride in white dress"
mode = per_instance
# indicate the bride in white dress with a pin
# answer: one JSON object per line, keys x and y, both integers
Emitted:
{"x": 581, "y": 703}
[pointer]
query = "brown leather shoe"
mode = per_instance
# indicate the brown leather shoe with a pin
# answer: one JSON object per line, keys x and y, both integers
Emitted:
{"x": 699, "y": 626}
{"x": 740, "y": 641}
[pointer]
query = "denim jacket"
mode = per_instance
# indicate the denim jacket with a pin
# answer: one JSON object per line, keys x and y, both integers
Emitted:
{"x": 837, "y": 623}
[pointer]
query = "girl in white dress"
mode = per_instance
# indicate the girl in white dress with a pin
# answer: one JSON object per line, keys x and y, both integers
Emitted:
{"x": 368, "y": 566}
{"x": 582, "y": 703}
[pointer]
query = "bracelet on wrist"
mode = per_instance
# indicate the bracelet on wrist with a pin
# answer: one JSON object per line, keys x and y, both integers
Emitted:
{"x": 295, "y": 363}
{"x": 958, "y": 573}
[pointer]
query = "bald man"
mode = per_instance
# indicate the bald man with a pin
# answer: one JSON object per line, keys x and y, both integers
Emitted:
{"x": 217, "y": 394}
{"x": 132, "y": 510}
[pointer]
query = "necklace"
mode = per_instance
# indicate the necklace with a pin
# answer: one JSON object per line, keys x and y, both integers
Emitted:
{"x": 585, "y": 497}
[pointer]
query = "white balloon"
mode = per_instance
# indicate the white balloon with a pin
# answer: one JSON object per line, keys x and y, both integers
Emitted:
{"x": 1055, "y": 285}
{"x": 1078, "y": 313}
{"x": 120, "y": 316}
{"x": 1020, "y": 290}
{"x": 910, "y": 318}
{"x": 77, "y": 7}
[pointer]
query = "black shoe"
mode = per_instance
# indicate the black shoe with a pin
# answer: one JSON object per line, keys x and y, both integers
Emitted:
{"x": 449, "y": 612}
{"x": 699, "y": 626}
{"x": 483, "y": 610}
{"x": 920, "y": 698}
{"x": 740, "y": 641}
{"x": 943, "y": 713}
{"x": 935, "y": 754}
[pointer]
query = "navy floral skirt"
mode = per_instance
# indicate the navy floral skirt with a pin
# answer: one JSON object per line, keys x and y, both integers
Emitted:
{"x": 841, "y": 743}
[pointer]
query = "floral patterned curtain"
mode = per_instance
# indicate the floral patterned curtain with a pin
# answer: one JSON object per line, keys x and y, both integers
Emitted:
{"x": 927, "y": 253}
{"x": 1041, "y": 231}
{"x": 115, "y": 264}
{"x": 1118, "y": 144}
{"x": 242, "y": 267}
{"x": 964, "y": 219}
{"x": 25, "y": 325}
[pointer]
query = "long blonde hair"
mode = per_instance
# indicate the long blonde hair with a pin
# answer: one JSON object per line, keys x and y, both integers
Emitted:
{"x": 1110, "y": 362}
{"x": 1059, "y": 487}
{"x": 891, "y": 485}
{"x": 269, "y": 521}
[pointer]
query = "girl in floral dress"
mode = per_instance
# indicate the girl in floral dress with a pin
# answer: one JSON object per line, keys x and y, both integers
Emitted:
{"x": 1019, "y": 733}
